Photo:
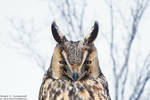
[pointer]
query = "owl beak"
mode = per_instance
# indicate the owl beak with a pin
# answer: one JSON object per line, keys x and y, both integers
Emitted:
{"x": 75, "y": 76}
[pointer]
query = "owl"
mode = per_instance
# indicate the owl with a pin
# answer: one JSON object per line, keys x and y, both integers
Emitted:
{"x": 74, "y": 72}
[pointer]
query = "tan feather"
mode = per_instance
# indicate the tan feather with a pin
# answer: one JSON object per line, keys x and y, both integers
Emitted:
{"x": 74, "y": 72}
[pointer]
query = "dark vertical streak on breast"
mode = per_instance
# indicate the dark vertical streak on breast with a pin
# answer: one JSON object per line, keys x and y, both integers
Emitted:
{"x": 89, "y": 91}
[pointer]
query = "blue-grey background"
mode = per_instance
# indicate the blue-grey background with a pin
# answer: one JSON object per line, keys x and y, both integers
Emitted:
{"x": 123, "y": 42}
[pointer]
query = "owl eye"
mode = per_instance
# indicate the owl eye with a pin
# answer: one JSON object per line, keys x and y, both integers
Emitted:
{"x": 88, "y": 62}
{"x": 62, "y": 62}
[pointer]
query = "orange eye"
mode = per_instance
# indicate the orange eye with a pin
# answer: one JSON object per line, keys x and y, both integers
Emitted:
{"x": 88, "y": 62}
{"x": 62, "y": 62}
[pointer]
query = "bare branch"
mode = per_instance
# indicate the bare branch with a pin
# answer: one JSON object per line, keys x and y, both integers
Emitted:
{"x": 142, "y": 80}
{"x": 121, "y": 76}
{"x": 26, "y": 40}
{"x": 110, "y": 4}
{"x": 72, "y": 16}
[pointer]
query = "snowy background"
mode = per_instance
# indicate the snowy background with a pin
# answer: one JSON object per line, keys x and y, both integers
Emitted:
{"x": 123, "y": 42}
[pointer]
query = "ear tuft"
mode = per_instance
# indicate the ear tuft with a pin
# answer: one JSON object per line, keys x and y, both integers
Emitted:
{"x": 93, "y": 34}
{"x": 56, "y": 34}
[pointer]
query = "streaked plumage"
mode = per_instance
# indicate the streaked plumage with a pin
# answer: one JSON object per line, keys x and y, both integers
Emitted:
{"x": 74, "y": 72}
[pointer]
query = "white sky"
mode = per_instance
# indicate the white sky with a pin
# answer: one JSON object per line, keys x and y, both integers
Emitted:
{"x": 18, "y": 74}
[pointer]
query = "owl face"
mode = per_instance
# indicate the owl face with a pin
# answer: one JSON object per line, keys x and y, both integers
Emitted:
{"x": 74, "y": 60}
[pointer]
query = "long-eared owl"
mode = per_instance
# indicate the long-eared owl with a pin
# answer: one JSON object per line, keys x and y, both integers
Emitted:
{"x": 74, "y": 72}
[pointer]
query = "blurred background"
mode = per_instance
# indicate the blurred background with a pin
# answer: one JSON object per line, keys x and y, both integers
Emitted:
{"x": 123, "y": 42}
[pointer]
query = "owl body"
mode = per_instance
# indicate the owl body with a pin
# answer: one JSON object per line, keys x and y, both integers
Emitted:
{"x": 74, "y": 72}
{"x": 57, "y": 89}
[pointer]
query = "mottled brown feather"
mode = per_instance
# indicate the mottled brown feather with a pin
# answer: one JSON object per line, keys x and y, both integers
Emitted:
{"x": 74, "y": 72}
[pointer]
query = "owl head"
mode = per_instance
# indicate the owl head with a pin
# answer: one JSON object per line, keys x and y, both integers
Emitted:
{"x": 74, "y": 60}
